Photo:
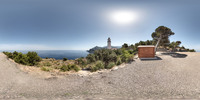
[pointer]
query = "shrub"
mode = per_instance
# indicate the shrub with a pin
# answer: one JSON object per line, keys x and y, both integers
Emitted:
{"x": 15, "y": 53}
{"x": 119, "y": 61}
{"x": 47, "y": 64}
{"x": 99, "y": 65}
{"x": 81, "y": 62}
{"x": 33, "y": 58}
{"x": 64, "y": 68}
{"x": 8, "y": 54}
{"x": 93, "y": 69}
{"x": 110, "y": 65}
{"x": 69, "y": 67}
{"x": 118, "y": 51}
{"x": 65, "y": 59}
{"x": 74, "y": 67}
{"x": 91, "y": 58}
{"x": 192, "y": 50}
{"x": 96, "y": 66}
{"x": 105, "y": 55}
{"x": 21, "y": 58}
{"x": 126, "y": 56}
{"x": 45, "y": 69}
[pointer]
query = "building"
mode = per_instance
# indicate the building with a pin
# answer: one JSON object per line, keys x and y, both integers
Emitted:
{"x": 109, "y": 43}
{"x": 146, "y": 51}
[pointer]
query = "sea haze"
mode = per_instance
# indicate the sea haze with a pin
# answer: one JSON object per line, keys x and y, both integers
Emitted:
{"x": 57, "y": 54}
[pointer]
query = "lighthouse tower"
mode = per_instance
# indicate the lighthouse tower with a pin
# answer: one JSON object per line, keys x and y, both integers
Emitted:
{"x": 109, "y": 43}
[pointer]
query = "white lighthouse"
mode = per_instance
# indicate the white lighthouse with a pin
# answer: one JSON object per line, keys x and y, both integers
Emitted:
{"x": 109, "y": 44}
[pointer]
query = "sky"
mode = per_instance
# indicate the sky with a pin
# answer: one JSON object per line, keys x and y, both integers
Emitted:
{"x": 83, "y": 24}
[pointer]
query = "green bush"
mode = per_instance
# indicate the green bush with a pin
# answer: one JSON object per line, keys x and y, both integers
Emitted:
{"x": 31, "y": 58}
{"x": 45, "y": 69}
{"x": 96, "y": 66}
{"x": 110, "y": 65}
{"x": 15, "y": 54}
{"x": 74, "y": 67}
{"x": 119, "y": 61}
{"x": 126, "y": 56}
{"x": 8, "y": 54}
{"x": 91, "y": 58}
{"x": 65, "y": 59}
{"x": 64, "y": 68}
{"x": 81, "y": 62}
{"x": 21, "y": 58}
{"x": 93, "y": 68}
{"x": 69, "y": 67}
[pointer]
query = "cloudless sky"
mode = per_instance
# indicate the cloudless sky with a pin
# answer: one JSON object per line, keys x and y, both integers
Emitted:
{"x": 83, "y": 24}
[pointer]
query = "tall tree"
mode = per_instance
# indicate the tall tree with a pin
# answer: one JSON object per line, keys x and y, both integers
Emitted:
{"x": 161, "y": 35}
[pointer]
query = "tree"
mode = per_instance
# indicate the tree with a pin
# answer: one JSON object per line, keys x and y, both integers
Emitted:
{"x": 161, "y": 35}
{"x": 132, "y": 47}
{"x": 174, "y": 45}
{"x": 125, "y": 46}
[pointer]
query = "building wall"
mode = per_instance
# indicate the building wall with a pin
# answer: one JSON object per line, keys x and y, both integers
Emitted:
{"x": 146, "y": 52}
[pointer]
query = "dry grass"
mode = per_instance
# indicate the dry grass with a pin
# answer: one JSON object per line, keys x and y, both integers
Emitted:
{"x": 53, "y": 64}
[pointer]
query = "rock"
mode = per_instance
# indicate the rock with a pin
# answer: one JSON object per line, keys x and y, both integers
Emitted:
{"x": 115, "y": 68}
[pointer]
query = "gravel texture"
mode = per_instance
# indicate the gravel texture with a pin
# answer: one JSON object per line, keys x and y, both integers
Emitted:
{"x": 169, "y": 77}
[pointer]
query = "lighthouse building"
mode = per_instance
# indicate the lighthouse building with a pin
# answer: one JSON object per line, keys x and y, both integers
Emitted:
{"x": 109, "y": 43}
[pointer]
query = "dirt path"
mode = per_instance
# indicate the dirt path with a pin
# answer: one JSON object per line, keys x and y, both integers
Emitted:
{"x": 156, "y": 79}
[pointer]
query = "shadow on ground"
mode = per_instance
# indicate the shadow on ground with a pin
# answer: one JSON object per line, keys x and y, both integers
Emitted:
{"x": 175, "y": 55}
{"x": 156, "y": 58}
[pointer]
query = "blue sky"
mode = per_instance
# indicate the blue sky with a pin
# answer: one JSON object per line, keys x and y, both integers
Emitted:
{"x": 83, "y": 24}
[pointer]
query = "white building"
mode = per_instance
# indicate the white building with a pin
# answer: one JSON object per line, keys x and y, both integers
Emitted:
{"x": 109, "y": 43}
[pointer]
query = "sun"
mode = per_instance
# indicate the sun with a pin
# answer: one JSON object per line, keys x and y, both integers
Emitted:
{"x": 123, "y": 17}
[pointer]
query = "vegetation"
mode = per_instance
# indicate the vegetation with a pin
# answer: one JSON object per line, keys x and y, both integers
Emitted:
{"x": 110, "y": 65}
{"x": 69, "y": 67}
{"x": 31, "y": 58}
{"x": 45, "y": 69}
{"x": 161, "y": 35}
{"x": 175, "y": 46}
{"x": 65, "y": 59}
{"x": 97, "y": 66}
{"x": 106, "y": 58}
{"x": 82, "y": 62}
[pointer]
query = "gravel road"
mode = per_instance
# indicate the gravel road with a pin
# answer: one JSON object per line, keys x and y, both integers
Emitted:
{"x": 166, "y": 78}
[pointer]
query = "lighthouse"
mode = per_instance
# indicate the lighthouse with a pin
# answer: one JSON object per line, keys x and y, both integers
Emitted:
{"x": 109, "y": 43}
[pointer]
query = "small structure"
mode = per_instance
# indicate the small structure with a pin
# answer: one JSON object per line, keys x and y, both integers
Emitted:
{"x": 146, "y": 52}
{"x": 109, "y": 43}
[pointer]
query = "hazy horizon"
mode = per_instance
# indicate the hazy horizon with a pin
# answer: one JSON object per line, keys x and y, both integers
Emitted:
{"x": 81, "y": 25}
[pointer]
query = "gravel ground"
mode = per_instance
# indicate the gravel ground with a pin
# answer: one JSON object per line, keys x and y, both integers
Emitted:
{"x": 166, "y": 78}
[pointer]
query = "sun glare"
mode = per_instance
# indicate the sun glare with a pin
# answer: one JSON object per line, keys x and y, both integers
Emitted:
{"x": 123, "y": 17}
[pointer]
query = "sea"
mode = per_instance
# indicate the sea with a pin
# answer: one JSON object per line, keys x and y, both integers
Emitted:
{"x": 56, "y": 54}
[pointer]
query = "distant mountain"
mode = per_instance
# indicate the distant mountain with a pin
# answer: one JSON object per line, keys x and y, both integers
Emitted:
{"x": 98, "y": 48}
